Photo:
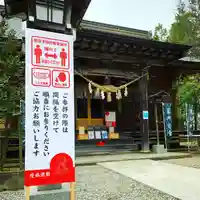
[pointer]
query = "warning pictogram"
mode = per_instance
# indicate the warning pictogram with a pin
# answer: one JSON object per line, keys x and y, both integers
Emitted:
{"x": 60, "y": 79}
{"x": 49, "y": 52}
{"x": 38, "y": 54}
{"x": 41, "y": 77}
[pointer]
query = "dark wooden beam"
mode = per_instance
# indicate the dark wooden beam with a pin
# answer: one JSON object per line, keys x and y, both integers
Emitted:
{"x": 104, "y": 56}
{"x": 134, "y": 50}
{"x": 104, "y": 46}
{"x": 95, "y": 44}
{"x": 135, "y": 59}
{"x": 114, "y": 47}
{"x": 119, "y": 73}
{"x": 84, "y": 44}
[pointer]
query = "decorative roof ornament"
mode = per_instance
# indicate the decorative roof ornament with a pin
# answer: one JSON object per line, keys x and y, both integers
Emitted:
{"x": 90, "y": 87}
{"x": 102, "y": 95}
{"x": 109, "y": 89}
{"x": 109, "y": 97}
{"x": 126, "y": 92}
{"x": 97, "y": 92}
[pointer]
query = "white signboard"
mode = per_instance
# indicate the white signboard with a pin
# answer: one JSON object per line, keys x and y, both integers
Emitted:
{"x": 110, "y": 119}
{"x": 50, "y": 128}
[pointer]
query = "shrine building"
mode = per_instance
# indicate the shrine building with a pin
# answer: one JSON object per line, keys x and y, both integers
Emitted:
{"x": 117, "y": 71}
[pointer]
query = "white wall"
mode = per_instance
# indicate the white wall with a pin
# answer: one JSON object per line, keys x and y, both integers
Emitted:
{"x": 16, "y": 24}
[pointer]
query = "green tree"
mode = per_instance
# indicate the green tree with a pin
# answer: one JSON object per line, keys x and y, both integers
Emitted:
{"x": 189, "y": 93}
{"x": 194, "y": 8}
{"x": 11, "y": 71}
{"x": 160, "y": 33}
{"x": 181, "y": 31}
{"x": 189, "y": 89}
{"x": 11, "y": 80}
{"x": 186, "y": 30}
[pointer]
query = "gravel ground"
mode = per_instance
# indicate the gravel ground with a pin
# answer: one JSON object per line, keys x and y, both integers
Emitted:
{"x": 189, "y": 162}
{"x": 98, "y": 183}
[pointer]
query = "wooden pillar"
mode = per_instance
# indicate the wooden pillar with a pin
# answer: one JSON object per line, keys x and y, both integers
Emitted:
{"x": 89, "y": 109}
{"x": 144, "y": 123}
{"x": 174, "y": 110}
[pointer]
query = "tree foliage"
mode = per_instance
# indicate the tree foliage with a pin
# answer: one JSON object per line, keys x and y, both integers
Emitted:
{"x": 181, "y": 30}
{"x": 189, "y": 89}
{"x": 185, "y": 30}
{"x": 11, "y": 71}
{"x": 160, "y": 33}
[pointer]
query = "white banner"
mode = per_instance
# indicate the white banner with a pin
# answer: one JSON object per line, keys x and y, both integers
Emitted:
{"x": 50, "y": 127}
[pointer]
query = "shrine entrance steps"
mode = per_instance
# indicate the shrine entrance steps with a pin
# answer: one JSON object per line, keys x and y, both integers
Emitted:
{"x": 107, "y": 149}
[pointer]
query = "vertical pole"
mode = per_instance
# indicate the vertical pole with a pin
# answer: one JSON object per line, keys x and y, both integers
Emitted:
{"x": 187, "y": 122}
{"x": 165, "y": 135}
{"x": 89, "y": 109}
{"x": 20, "y": 135}
{"x": 20, "y": 146}
{"x": 157, "y": 127}
{"x": 144, "y": 123}
{"x": 72, "y": 191}
{"x": 27, "y": 193}
{"x": 1, "y": 152}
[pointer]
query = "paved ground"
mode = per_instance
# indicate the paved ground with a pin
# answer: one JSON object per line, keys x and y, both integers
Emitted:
{"x": 98, "y": 183}
{"x": 128, "y": 156}
{"x": 179, "y": 181}
{"x": 189, "y": 162}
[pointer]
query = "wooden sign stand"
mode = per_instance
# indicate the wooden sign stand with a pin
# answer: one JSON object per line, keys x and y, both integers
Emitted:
{"x": 27, "y": 193}
{"x": 72, "y": 192}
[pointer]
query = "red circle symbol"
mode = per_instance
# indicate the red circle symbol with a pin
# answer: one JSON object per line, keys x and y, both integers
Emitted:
{"x": 61, "y": 77}
{"x": 61, "y": 164}
{"x": 107, "y": 113}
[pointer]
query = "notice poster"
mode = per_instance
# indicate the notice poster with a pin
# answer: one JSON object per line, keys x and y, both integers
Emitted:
{"x": 110, "y": 119}
{"x": 50, "y": 137}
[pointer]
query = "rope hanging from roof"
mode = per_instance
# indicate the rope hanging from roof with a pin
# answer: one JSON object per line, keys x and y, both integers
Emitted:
{"x": 100, "y": 90}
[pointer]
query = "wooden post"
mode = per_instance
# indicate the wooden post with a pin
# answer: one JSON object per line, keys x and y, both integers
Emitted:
{"x": 144, "y": 123}
{"x": 157, "y": 126}
{"x": 27, "y": 193}
{"x": 89, "y": 109}
{"x": 72, "y": 191}
{"x": 20, "y": 144}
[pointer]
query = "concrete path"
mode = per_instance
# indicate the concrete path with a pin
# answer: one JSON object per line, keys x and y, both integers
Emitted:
{"x": 178, "y": 181}
{"x": 91, "y": 160}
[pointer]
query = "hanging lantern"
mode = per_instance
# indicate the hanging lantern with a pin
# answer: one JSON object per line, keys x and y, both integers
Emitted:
{"x": 102, "y": 95}
{"x": 97, "y": 92}
{"x": 126, "y": 92}
{"x": 109, "y": 97}
{"x": 90, "y": 87}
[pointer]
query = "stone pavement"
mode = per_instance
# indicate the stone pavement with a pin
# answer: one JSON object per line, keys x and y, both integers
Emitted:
{"x": 98, "y": 183}
{"x": 92, "y": 160}
{"x": 194, "y": 161}
{"x": 179, "y": 181}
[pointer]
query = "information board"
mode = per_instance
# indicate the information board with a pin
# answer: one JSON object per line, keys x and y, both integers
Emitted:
{"x": 50, "y": 127}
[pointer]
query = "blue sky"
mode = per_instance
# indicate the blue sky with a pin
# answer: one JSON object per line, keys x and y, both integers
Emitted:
{"x": 139, "y": 14}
